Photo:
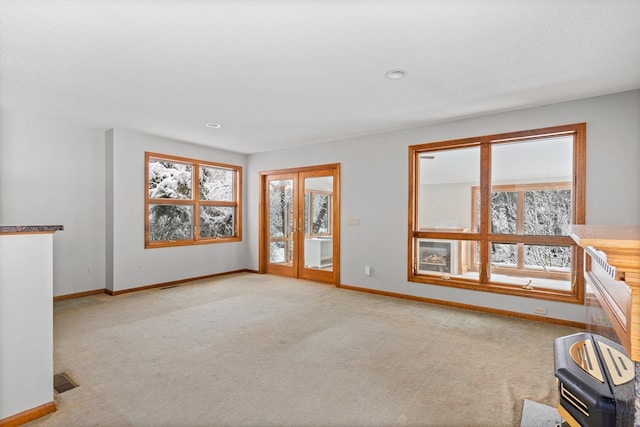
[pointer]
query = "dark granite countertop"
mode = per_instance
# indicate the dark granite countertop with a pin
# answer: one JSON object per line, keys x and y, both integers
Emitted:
{"x": 29, "y": 229}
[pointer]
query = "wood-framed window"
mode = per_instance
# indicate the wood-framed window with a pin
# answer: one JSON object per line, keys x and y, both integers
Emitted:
{"x": 527, "y": 209}
{"x": 492, "y": 213}
{"x": 189, "y": 201}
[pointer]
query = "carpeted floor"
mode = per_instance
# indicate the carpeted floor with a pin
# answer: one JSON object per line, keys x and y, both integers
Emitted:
{"x": 258, "y": 350}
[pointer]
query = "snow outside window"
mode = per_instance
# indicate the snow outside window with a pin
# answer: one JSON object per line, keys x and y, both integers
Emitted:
{"x": 493, "y": 213}
{"x": 191, "y": 201}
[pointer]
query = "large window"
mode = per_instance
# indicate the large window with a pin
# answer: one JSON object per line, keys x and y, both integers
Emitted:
{"x": 493, "y": 213}
{"x": 191, "y": 201}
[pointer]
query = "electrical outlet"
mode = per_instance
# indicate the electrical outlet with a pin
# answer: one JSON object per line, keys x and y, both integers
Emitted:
{"x": 139, "y": 268}
{"x": 367, "y": 270}
{"x": 89, "y": 270}
{"x": 542, "y": 311}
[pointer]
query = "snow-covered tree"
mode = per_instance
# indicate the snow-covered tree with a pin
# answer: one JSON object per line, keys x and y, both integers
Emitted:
{"x": 216, "y": 184}
{"x": 216, "y": 221}
{"x": 280, "y": 219}
{"x": 545, "y": 213}
{"x": 173, "y": 180}
{"x": 169, "y": 180}
{"x": 170, "y": 222}
{"x": 504, "y": 212}
{"x": 320, "y": 221}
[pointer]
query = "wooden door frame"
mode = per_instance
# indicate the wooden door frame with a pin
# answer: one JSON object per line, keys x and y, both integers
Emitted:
{"x": 263, "y": 240}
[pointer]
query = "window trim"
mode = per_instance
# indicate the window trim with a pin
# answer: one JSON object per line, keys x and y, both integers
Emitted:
{"x": 195, "y": 201}
{"x": 576, "y": 295}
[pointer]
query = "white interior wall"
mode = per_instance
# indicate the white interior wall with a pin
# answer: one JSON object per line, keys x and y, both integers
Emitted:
{"x": 445, "y": 205}
{"x": 52, "y": 172}
{"x": 26, "y": 352}
{"x": 109, "y": 171}
{"x": 158, "y": 265}
{"x": 374, "y": 189}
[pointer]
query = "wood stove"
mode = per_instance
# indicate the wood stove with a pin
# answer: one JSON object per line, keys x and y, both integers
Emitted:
{"x": 594, "y": 380}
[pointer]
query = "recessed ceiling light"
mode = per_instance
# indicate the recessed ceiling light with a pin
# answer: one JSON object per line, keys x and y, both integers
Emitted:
{"x": 213, "y": 125}
{"x": 396, "y": 74}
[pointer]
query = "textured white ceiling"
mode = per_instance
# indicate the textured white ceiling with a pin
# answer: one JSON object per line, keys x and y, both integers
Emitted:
{"x": 278, "y": 74}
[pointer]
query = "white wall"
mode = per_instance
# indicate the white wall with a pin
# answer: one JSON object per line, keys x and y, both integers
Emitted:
{"x": 26, "y": 352}
{"x": 374, "y": 189}
{"x": 452, "y": 205}
{"x": 126, "y": 194}
{"x": 52, "y": 172}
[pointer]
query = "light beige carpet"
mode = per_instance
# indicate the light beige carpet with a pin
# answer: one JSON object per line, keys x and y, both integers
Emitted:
{"x": 258, "y": 350}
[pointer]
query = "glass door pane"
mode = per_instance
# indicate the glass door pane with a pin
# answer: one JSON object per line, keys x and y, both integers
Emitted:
{"x": 318, "y": 213}
{"x": 281, "y": 221}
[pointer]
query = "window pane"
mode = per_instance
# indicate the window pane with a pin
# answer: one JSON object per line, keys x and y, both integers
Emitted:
{"x": 307, "y": 213}
{"x": 280, "y": 207}
{"x": 504, "y": 255}
{"x": 281, "y": 252}
{"x": 317, "y": 205}
{"x": 547, "y": 212}
{"x": 539, "y": 160}
{"x": 216, "y": 221}
{"x": 281, "y": 225}
{"x": 445, "y": 257}
{"x": 531, "y": 186}
{"x": 444, "y": 180}
{"x": 170, "y": 222}
{"x": 169, "y": 180}
{"x": 547, "y": 267}
{"x": 320, "y": 213}
{"x": 547, "y": 258}
{"x": 475, "y": 227}
{"x": 504, "y": 212}
{"x": 216, "y": 184}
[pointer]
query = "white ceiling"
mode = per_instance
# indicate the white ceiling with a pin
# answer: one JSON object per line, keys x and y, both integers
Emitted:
{"x": 278, "y": 74}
